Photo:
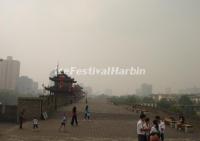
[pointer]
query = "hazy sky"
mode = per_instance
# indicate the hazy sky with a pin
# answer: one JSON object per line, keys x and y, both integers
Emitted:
{"x": 162, "y": 36}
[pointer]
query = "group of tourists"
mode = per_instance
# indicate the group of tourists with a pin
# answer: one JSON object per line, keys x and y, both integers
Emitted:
{"x": 150, "y": 131}
{"x": 74, "y": 119}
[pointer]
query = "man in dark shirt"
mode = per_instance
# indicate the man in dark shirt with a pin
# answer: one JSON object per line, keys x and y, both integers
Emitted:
{"x": 21, "y": 119}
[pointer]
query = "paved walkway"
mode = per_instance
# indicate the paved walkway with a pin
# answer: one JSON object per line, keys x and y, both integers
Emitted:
{"x": 108, "y": 123}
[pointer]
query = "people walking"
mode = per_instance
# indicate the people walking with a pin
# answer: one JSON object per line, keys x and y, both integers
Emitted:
{"x": 87, "y": 113}
{"x": 161, "y": 124}
{"x": 35, "y": 124}
{"x": 162, "y": 130}
{"x": 74, "y": 116}
{"x": 63, "y": 122}
{"x": 21, "y": 119}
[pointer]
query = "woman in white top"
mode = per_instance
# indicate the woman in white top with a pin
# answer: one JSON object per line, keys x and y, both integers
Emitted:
{"x": 147, "y": 128}
{"x": 140, "y": 128}
{"x": 161, "y": 124}
{"x": 162, "y": 129}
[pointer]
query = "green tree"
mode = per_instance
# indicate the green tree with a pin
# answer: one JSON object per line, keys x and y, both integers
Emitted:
{"x": 125, "y": 100}
{"x": 185, "y": 100}
{"x": 164, "y": 104}
{"x": 186, "y": 105}
{"x": 148, "y": 100}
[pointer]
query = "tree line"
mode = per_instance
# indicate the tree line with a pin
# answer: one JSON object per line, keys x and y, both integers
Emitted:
{"x": 182, "y": 104}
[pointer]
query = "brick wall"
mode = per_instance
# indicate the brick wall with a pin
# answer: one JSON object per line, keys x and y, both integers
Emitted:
{"x": 35, "y": 106}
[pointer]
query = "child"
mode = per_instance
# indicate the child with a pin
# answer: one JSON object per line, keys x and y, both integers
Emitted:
{"x": 63, "y": 122}
{"x": 35, "y": 123}
{"x": 87, "y": 113}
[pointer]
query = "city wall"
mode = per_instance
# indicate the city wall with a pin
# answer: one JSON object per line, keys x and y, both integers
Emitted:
{"x": 36, "y": 107}
{"x": 8, "y": 113}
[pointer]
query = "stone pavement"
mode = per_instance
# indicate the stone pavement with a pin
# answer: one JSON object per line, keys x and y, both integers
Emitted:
{"x": 108, "y": 123}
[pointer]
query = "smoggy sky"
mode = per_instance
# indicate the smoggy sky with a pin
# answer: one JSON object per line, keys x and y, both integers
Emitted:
{"x": 163, "y": 36}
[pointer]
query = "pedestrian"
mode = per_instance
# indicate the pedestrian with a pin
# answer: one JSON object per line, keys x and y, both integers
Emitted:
{"x": 21, "y": 119}
{"x": 63, "y": 122}
{"x": 35, "y": 123}
{"x": 154, "y": 132}
{"x": 147, "y": 128}
{"x": 181, "y": 121}
{"x": 74, "y": 116}
{"x": 142, "y": 112}
{"x": 161, "y": 124}
{"x": 162, "y": 129}
{"x": 140, "y": 128}
{"x": 87, "y": 113}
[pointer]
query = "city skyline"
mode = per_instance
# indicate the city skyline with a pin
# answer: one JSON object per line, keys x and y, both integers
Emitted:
{"x": 160, "y": 36}
{"x": 11, "y": 79}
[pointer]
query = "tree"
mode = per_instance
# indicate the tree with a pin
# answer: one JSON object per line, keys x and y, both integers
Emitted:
{"x": 125, "y": 100}
{"x": 186, "y": 105}
{"x": 185, "y": 100}
{"x": 148, "y": 100}
{"x": 164, "y": 104}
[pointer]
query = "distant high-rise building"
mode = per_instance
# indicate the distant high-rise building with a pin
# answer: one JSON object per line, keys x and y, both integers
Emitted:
{"x": 9, "y": 72}
{"x": 144, "y": 90}
{"x": 26, "y": 85}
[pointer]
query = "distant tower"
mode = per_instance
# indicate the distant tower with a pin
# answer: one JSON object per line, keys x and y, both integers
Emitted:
{"x": 62, "y": 84}
{"x": 9, "y": 73}
{"x": 144, "y": 90}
